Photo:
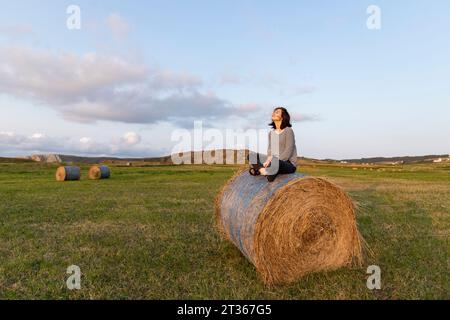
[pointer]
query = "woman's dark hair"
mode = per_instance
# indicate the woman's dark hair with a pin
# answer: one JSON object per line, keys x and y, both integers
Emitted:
{"x": 286, "y": 122}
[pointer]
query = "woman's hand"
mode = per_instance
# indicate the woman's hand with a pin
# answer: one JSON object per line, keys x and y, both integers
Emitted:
{"x": 267, "y": 163}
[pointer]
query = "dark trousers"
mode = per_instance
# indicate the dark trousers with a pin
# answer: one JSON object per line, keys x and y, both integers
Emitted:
{"x": 284, "y": 167}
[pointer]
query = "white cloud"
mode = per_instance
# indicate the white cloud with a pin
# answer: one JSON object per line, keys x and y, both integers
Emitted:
{"x": 85, "y": 140}
{"x": 10, "y": 141}
{"x": 304, "y": 117}
{"x": 131, "y": 138}
{"x": 167, "y": 79}
{"x": 10, "y": 138}
{"x": 62, "y": 78}
{"x": 126, "y": 145}
{"x": 118, "y": 26}
{"x": 37, "y": 136}
{"x": 94, "y": 87}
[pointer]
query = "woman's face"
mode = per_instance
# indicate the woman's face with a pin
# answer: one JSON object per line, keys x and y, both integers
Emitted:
{"x": 277, "y": 115}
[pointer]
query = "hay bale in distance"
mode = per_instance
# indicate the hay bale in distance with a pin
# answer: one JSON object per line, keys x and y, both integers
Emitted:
{"x": 68, "y": 173}
{"x": 99, "y": 172}
{"x": 290, "y": 227}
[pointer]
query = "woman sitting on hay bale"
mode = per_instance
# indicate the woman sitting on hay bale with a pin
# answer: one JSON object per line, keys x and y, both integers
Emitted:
{"x": 282, "y": 151}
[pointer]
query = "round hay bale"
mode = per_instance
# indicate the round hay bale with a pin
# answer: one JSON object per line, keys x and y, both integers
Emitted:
{"x": 68, "y": 173}
{"x": 290, "y": 227}
{"x": 99, "y": 172}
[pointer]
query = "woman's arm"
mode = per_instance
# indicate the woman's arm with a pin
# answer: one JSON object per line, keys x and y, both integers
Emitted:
{"x": 269, "y": 153}
{"x": 290, "y": 143}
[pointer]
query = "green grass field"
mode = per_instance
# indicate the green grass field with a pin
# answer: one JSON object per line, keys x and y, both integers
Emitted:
{"x": 148, "y": 233}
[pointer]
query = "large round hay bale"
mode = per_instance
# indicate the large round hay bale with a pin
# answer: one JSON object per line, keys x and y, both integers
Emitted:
{"x": 68, "y": 173}
{"x": 290, "y": 227}
{"x": 99, "y": 172}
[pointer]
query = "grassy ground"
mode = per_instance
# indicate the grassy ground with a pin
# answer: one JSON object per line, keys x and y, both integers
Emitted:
{"x": 148, "y": 233}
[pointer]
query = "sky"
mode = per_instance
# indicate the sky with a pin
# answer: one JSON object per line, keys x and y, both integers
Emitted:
{"x": 136, "y": 72}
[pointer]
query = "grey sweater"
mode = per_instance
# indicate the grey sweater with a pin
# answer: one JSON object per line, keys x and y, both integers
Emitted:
{"x": 287, "y": 150}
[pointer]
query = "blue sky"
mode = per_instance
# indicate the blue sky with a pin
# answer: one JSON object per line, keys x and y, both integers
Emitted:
{"x": 136, "y": 71}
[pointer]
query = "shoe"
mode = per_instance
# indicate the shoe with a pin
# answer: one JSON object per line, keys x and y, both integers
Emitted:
{"x": 254, "y": 169}
{"x": 254, "y": 172}
{"x": 271, "y": 178}
{"x": 256, "y": 166}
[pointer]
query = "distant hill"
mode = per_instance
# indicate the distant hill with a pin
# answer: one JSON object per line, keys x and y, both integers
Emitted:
{"x": 405, "y": 160}
{"x": 93, "y": 160}
{"x": 14, "y": 160}
{"x": 233, "y": 156}
{"x": 187, "y": 156}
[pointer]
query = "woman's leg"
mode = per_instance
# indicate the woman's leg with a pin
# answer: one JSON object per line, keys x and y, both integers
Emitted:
{"x": 281, "y": 168}
{"x": 284, "y": 167}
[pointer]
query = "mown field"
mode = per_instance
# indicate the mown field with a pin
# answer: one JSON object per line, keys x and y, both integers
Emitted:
{"x": 148, "y": 233}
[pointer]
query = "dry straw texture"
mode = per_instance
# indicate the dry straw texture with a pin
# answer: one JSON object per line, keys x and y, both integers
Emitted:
{"x": 68, "y": 173}
{"x": 99, "y": 172}
{"x": 290, "y": 227}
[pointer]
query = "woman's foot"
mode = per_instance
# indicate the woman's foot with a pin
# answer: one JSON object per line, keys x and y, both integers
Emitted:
{"x": 270, "y": 177}
{"x": 255, "y": 169}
